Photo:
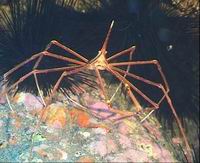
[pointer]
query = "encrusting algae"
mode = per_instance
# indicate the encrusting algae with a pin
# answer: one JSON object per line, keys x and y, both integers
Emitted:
{"x": 58, "y": 116}
{"x": 86, "y": 140}
{"x": 86, "y": 159}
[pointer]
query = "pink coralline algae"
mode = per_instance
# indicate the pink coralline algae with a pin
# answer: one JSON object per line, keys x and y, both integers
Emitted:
{"x": 123, "y": 128}
{"x": 2, "y": 100}
{"x": 103, "y": 147}
{"x": 112, "y": 147}
{"x": 30, "y": 101}
{"x": 162, "y": 154}
{"x": 154, "y": 150}
{"x": 154, "y": 130}
{"x": 99, "y": 148}
{"x": 103, "y": 140}
{"x": 130, "y": 155}
{"x": 88, "y": 99}
{"x": 101, "y": 110}
{"x": 124, "y": 141}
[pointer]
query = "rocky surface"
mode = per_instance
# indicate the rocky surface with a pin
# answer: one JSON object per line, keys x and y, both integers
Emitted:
{"x": 67, "y": 133}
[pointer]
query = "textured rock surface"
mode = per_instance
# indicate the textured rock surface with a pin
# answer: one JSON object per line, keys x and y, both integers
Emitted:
{"x": 69, "y": 134}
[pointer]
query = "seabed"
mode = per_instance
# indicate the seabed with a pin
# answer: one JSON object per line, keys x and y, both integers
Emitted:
{"x": 68, "y": 134}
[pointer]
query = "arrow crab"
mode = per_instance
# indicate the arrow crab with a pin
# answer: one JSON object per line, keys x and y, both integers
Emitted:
{"x": 100, "y": 63}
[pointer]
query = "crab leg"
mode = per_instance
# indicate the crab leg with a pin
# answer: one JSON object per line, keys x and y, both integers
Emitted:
{"x": 155, "y": 62}
{"x": 127, "y": 83}
{"x": 40, "y": 55}
{"x": 188, "y": 153}
{"x": 46, "y": 53}
{"x": 127, "y": 51}
{"x": 36, "y": 80}
{"x": 38, "y": 62}
{"x": 41, "y": 115}
{"x": 64, "y": 74}
{"x": 136, "y": 77}
{"x": 101, "y": 82}
{"x": 104, "y": 94}
{"x": 38, "y": 72}
{"x": 130, "y": 52}
{"x": 135, "y": 113}
{"x": 22, "y": 64}
{"x": 39, "y": 90}
{"x": 133, "y": 98}
{"x": 158, "y": 85}
{"x": 56, "y": 86}
{"x": 48, "y": 101}
{"x": 131, "y": 95}
{"x": 189, "y": 157}
{"x": 54, "y": 42}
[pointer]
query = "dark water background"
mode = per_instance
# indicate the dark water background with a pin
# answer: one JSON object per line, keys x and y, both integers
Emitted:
{"x": 157, "y": 29}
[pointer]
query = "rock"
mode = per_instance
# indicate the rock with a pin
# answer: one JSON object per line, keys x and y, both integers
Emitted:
{"x": 41, "y": 150}
{"x": 1, "y": 123}
{"x": 54, "y": 116}
{"x": 64, "y": 155}
{"x": 13, "y": 140}
{"x": 154, "y": 130}
{"x": 78, "y": 154}
{"x": 124, "y": 128}
{"x": 124, "y": 141}
{"x": 100, "y": 131}
{"x": 58, "y": 116}
{"x": 38, "y": 138}
{"x": 130, "y": 155}
{"x": 81, "y": 118}
{"x": 162, "y": 154}
{"x": 102, "y": 111}
{"x": 177, "y": 140}
{"x": 128, "y": 141}
{"x": 17, "y": 123}
{"x": 3, "y": 144}
{"x": 29, "y": 100}
{"x": 2, "y": 100}
{"x": 99, "y": 148}
{"x": 112, "y": 147}
{"x": 99, "y": 106}
{"x": 103, "y": 147}
{"x": 86, "y": 159}
{"x": 87, "y": 99}
{"x": 85, "y": 134}
{"x": 154, "y": 150}
{"x": 147, "y": 148}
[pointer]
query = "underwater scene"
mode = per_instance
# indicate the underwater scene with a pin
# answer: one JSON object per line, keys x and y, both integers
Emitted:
{"x": 99, "y": 81}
